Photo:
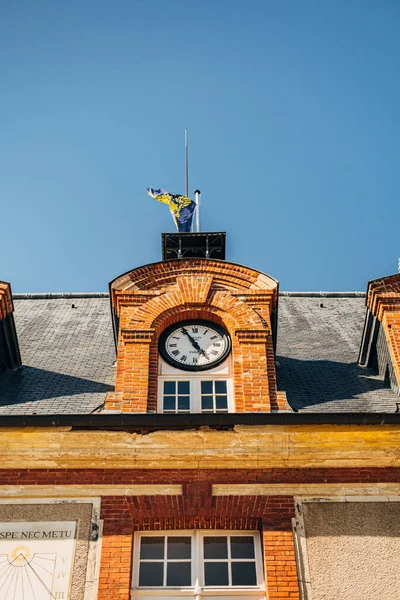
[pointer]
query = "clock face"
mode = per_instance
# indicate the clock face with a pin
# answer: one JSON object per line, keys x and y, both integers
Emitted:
{"x": 194, "y": 345}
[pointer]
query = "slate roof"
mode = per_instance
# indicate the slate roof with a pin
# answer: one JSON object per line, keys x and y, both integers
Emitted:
{"x": 317, "y": 357}
{"x": 68, "y": 356}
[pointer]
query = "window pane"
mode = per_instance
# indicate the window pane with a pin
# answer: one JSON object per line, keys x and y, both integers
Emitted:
{"x": 179, "y": 573}
{"x": 242, "y": 546}
{"x": 183, "y": 402}
{"x": 169, "y": 402}
{"x": 179, "y": 547}
{"x": 183, "y": 387}
{"x": 216, "y": 573}
{"x": 220, "y": 387}
{"x": 206, "y": 387}
{"x": 207, "y": 403}
{"x": 244, "y": 573}
{"x": 169, "y": 387}
{"x": 151, "y": 573}
{"x": 215, "y": 547}
{"x": 221, "y": 402}
{"x": 152, "y": 547}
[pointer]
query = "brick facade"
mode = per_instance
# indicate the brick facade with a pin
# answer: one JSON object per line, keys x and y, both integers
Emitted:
{"x": 196, "y": 508}
{"x": 123, "y": 516}
{"x": 149, "y": 299}
{"x": 145, "y": 302}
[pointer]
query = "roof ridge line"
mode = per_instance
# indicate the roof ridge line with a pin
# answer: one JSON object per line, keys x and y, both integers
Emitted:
{"x": 61, "y": 295}
{"x": 324, "y": 294}
{"x": 56, "y": 295}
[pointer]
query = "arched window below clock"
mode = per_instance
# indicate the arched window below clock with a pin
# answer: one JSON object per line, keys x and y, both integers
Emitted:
{"x": 195, "y": 369}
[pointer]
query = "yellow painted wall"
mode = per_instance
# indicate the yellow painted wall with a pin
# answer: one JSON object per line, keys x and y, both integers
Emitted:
{"x": 246, "y": 447}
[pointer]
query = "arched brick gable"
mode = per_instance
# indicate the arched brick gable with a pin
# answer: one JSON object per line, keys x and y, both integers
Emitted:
{"x": 150, "y": 298}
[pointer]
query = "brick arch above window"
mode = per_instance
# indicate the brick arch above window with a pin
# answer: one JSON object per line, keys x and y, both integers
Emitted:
{"x": 164, "y": 273}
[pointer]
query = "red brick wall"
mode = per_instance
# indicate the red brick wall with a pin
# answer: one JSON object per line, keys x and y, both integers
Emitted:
{"x": 176, "y": 476}
{"x": 116, "y": 552}
{"x": 280, "y": 564}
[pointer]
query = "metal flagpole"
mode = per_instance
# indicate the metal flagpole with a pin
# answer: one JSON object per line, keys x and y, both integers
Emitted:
{"x": 187, "y": 162}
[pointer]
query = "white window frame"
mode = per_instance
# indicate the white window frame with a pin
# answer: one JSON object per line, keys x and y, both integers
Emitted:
{"x": 194, "y": 392}
{"x": 198, "y": 590}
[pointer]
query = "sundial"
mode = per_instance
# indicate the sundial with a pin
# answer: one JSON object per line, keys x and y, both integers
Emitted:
{"x": 36, "y": 560}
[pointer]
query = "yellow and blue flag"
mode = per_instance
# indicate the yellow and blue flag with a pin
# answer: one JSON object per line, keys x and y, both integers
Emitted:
{"x": 181, "y": 208}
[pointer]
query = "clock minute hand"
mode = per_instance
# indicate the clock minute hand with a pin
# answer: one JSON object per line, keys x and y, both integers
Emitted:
{"x": 194, "y": 343}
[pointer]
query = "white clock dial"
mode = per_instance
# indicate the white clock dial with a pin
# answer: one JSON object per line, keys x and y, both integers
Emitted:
{"x": 194, "y": 345}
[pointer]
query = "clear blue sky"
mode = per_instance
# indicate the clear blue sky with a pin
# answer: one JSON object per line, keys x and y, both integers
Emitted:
{"x": 293, "y": 115}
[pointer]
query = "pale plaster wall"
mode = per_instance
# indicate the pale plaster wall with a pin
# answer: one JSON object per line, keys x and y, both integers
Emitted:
{"x": 352, "y": 550}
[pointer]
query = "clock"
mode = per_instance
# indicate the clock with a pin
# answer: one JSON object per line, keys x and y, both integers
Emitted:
{"x": 194, "y": 345}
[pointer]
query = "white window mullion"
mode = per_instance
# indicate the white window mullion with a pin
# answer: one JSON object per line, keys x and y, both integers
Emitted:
{"x": 165, "y": 561}
{"x": 196, "y": 563}
{"x": 193, "y": 396}
{"x": 231, "y": 403}
{"x": 229, "y": 560}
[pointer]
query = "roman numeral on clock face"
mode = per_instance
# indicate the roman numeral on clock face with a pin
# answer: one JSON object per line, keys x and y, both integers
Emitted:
{"x": 175, "y": 352}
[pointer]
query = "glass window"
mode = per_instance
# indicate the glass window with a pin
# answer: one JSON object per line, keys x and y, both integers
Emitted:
{"x": 214, "y": 396}
{"x": 165, "y": 561}
{"x": 194, "y": 395}
{"x": 229, "y": 560}
{"x": 176, "y": 397}
{"x": 224, "y": 560}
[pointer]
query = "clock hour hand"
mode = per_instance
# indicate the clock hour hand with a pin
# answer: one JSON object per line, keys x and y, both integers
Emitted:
{"x": 194, "y": 343}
